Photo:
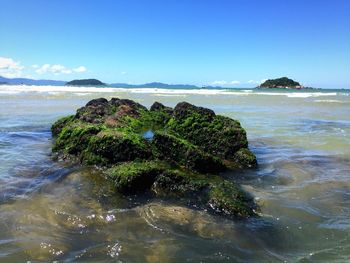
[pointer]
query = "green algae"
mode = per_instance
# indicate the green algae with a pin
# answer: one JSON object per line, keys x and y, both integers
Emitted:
{"x": 74, "y": 137}
{"x": 196, "y": 123}
{"x": 245, "y": 158}
{"x": 184, "y": 153}
{"x": 226, "y": 198}
{"x": 60, "y": 124}
{"x": 135, "y": 176}
{"x": 189, "y": 149}
{"x": 118, "y": 147}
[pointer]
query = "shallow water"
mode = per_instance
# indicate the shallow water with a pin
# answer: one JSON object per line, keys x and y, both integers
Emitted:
{"x": 53, "y": 211}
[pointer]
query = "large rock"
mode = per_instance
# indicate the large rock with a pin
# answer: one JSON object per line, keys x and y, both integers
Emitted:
{"x": 183, "y": 154}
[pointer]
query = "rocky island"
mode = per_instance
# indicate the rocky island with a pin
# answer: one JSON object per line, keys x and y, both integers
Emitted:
{"x": 176, "y": 152}
{"x": 281, "y": 83}
{"x": 85, "y": 82}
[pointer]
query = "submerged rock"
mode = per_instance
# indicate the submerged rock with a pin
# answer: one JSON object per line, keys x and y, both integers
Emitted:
{"x": 188, "y": 149}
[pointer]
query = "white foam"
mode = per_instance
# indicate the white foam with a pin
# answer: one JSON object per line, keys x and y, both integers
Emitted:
{"x": 330, "y": 101}
{"x": 170, "y": 95}
{"x": 82, "y": 93}
{"x": 297, "y": 94}
{"x": 54, "y": 92}
{"x": 310, "y": 94}
{"x": 9, "y": 92}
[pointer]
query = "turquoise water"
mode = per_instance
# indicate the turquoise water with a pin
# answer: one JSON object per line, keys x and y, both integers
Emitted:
{"x": 55, "y": 211}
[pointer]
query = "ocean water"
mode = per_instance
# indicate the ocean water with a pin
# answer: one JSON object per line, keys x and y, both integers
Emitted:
{"x": 54, "y": 211}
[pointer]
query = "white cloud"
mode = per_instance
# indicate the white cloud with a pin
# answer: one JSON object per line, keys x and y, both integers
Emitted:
{"x": 235, "y": 82}
{"x": 10, "y": 68}
{"x": 10, "y": 74}
{"x": 256, "y": 81}
{"x": 43, "y": 69}
{"x": 219, "y": 82}
{"x": 10, "y": 64}
{"x": 224, "y": 82}
{"x": 59, "y": 69}
{"x": 80, "y": 69}
{"x": 123, "y": 73}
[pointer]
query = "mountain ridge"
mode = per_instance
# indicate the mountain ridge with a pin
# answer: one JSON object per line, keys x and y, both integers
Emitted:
{"x": 28, "y": 81}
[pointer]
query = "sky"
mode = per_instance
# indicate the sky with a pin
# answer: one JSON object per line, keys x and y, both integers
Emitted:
{"x": 203, "y": 42}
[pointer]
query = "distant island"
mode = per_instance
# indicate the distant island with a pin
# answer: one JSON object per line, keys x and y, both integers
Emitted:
{"x": 85, "y": 82}
{"x": 281, "y": 83}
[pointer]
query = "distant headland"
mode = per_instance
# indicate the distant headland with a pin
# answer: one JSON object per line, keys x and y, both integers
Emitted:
{"x": 282, "y": 83}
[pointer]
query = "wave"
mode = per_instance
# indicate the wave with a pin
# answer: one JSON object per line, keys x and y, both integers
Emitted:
{"x": 311, "y": 94}
{"x": 296, "y": 94}
{"x": 170, "y": 95}
{"x": 159, "y": 91}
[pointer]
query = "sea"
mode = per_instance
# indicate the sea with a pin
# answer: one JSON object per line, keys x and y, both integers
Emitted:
{"x": 54, "y": 211}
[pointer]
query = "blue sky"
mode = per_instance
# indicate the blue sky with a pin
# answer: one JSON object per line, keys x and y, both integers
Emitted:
{"x": 229, "y": 43}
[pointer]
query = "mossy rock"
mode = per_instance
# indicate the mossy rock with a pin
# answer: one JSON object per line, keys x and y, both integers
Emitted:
{"x": 74, "y": 137}
{"x": 215, "y": 134}
{"x": 180, "y": 151}
{"x": 245, "y": 158}
{"x": 189, "y": 149}
{"x": 119, "y": 147}
{"x": 60, "y": 124}
{"x": 136, "y": 176}
{"x": 226, "y": 198}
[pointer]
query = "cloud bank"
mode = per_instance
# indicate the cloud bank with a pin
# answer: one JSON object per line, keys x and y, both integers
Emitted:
{"x": 10, "y": 68}
{"x": 58, "y": 69}
{"x": 258, "y": 82}
{"x": 225, "y": 83}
